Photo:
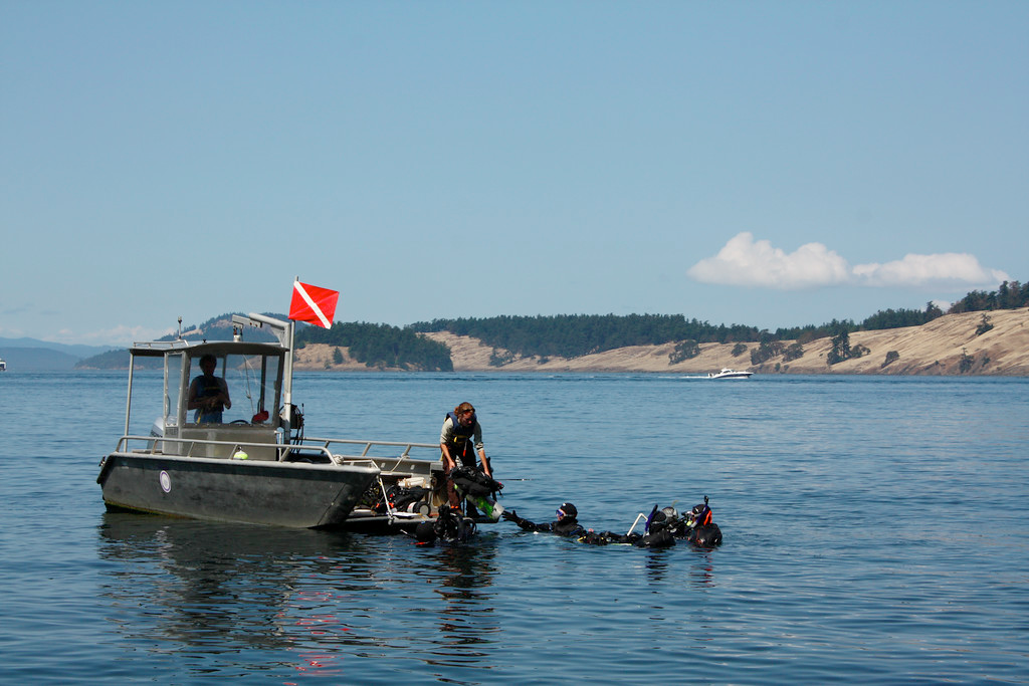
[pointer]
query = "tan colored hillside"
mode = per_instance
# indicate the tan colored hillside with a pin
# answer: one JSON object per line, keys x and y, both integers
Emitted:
{"x": 934, "y": 349}
{"x": 318, "y": 357}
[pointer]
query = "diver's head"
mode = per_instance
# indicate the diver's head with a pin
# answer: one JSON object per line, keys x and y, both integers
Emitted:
{"x": 658, "y": 520}
{"x": 700, "y": 515}
{"x": 425, "y": 533}
{"x": 567, "y": 510}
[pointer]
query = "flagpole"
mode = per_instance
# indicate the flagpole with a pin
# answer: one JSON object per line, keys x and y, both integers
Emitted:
{"x": 287, "y": 395}
{"x": 314, "y": 305}
{"x": 288, "y": 390}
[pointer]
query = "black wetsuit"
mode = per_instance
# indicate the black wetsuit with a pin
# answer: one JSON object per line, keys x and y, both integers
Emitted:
{"x": 566, "y": 526}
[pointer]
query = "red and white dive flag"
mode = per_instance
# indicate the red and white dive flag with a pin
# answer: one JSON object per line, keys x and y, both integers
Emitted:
{"x": 313, "y": 305}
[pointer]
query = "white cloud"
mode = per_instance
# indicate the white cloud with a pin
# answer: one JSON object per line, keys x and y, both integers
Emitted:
{"x": 944, "y": 269}
{"x": 746, "y": 262}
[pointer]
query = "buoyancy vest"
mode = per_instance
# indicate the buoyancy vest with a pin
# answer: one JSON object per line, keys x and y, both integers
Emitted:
{"x": 567, "y": 526}
{"x": 460, "y": 443}
{"x": 471, "y": 482}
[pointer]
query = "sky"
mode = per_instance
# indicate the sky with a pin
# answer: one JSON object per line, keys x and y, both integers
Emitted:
{"x": 771, "y": 164}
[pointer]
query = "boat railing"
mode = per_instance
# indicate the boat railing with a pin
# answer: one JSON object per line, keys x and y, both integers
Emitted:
{"x": 199, "y": 447}
{"x": 361, "y": 450}
{"x": 334, "y": 450}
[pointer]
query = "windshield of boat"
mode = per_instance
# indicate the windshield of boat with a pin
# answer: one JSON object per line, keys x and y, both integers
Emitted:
{"x": 252, "y": 383}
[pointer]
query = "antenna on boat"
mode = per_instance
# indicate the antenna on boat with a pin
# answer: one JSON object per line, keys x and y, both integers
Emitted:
{"x": 180, "y": 327}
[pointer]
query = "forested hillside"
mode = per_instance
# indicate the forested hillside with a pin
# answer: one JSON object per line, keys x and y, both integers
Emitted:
{"x": 571, "y": 336}
{"x": 577, "y": 335}
{"x": 381, "y": 345}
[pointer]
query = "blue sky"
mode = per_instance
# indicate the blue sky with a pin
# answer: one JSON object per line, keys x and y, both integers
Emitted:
{"x": 761, "y": 163}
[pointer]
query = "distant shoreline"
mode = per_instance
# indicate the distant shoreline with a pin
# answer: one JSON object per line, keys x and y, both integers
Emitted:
{"x": 946, "y": 346}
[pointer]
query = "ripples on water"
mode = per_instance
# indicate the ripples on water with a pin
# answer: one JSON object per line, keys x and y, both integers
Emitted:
{"x": 875, "y": 531}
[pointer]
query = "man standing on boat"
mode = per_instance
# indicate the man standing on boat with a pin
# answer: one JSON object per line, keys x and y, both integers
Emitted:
{"x": 208, "y": 394}
{"x": 459, "y": 441}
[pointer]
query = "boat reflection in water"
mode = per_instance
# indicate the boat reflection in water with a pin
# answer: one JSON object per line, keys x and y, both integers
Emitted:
{"x": 212, "y": 592}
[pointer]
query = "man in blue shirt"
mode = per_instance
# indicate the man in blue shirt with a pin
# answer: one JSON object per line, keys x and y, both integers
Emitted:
{"x": 208, "y": 394}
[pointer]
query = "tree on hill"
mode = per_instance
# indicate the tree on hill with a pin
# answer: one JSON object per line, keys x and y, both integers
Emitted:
{"x": 896, "y": 319}
{"x": 684, "y": 350}
{"x": 984, "y": 325}
{"x": 840, "y": 348}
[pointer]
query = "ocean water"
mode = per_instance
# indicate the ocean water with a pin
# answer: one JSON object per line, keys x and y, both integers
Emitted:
{"x": 876, "y": 531}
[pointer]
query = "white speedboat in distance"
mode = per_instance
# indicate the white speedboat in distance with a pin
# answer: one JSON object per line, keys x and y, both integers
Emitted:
{"x": 249, "y": 461}
{"x": 727, "y": 373}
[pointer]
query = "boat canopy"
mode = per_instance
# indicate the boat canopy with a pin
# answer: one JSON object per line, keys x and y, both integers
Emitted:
{"x": 256, "y": 374}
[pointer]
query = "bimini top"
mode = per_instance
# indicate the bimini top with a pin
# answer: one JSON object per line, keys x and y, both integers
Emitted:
{"x": 280, "y": 329}
{"x": 195, "y": 348}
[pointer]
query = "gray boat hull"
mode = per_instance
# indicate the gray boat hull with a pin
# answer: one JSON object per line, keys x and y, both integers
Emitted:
{"x": 256, "y": 491}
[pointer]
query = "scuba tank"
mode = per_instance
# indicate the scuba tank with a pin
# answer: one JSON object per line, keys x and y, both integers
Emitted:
{"x": 478, "y": 489}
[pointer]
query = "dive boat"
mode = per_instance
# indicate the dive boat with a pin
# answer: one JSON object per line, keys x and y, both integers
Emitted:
{"x": 249, "y": 461}
{"x": 727, "y": 373}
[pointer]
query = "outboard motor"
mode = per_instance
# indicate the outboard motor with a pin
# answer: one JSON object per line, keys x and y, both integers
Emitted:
{"x": 157, "y": 431}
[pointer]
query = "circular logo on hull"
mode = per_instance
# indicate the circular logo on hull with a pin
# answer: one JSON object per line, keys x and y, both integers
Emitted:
{"x": 165, "y": 482}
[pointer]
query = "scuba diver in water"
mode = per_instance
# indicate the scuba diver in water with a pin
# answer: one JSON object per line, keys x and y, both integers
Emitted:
{"x": 566, "y": 524}
{"x": 657, "y": 533}
{"x": 698, "y": 527}
{"x": 664, "y": 527}
{"x": 450, "y": 526}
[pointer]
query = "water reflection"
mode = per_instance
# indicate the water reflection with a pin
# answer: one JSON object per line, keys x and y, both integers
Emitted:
{"x": 214, "y": 592}
{"x": 203, "y": 583}
{"x": 702, "y": 569}
{"x": 467, "y": 618}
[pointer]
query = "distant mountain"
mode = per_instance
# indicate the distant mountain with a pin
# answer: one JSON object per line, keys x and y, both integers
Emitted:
{"x": 77, "y": 350}
{"x": 36, "y": 360}
{"x": 215, "y": 329}
{"x": 33, "y": 355}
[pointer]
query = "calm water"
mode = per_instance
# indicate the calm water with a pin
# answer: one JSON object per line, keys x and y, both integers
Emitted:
{"x": 876, "y": 531}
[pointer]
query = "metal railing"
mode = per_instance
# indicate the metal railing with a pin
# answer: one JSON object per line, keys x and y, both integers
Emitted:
{"x": 324, "y": 446}
{"x": 405, "y": 454}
